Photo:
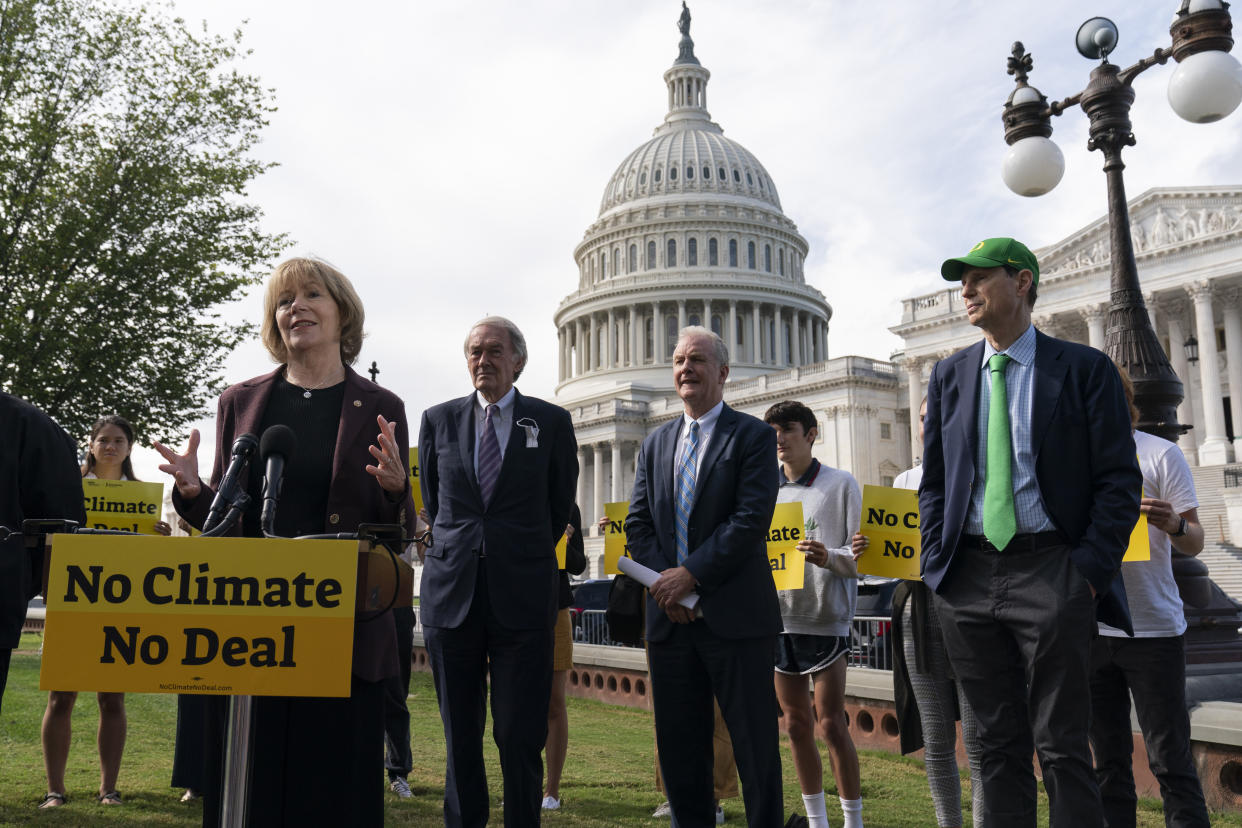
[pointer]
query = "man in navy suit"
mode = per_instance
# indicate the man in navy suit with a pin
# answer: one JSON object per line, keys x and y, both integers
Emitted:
{"x": 499, "y": 471}
{"x": 1030, "y": 491}
{"x": 704, "y": 492}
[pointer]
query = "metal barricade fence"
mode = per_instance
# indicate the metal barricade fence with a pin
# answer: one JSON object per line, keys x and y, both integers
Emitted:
{"x": 590, "y": 627}
{"x": 869, "y": 638}
{"x": 871, "y": 643}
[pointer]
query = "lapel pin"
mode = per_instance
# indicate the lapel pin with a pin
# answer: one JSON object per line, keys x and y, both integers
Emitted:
{"x": 532, "y": 431}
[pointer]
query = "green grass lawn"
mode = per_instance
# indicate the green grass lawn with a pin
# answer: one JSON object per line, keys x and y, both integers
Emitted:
{"x": 608, "y": 780}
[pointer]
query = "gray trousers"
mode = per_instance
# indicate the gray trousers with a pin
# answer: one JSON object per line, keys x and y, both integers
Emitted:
{"x": 1018, "y": 628}
{"x": 934, "y": 696}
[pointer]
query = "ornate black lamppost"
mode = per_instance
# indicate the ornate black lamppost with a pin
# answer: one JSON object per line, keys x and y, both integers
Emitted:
{"x": 1205, "y": 87}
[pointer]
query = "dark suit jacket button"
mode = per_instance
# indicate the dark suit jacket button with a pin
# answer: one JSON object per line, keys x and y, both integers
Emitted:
{"x": 334, "y": 518}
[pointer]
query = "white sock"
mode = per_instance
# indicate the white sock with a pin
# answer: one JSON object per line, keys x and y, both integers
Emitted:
{"x": 816, "y": 810}
{"x": 851, "y": 809}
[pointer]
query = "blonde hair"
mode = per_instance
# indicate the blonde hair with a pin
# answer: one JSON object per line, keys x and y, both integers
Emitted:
{"x": 1128, "y": 385}
{"x": 295, "y": 273}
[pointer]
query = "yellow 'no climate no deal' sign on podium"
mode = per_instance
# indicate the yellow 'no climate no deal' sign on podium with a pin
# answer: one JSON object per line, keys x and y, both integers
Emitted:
{"x": 236, "y": 616}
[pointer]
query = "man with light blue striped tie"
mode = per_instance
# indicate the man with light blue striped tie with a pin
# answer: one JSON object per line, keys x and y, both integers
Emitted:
{"x": 702, "y": 503}
{"x": 686, "y": 470}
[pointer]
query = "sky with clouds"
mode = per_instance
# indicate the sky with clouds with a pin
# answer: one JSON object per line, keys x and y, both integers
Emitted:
{"x": 449, "y": 156}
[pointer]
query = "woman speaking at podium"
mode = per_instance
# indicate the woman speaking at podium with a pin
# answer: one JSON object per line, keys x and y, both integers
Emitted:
{"x": 315, "y": 761}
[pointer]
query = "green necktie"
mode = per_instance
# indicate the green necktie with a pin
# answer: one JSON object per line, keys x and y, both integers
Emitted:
{"x": 999, "y": 522}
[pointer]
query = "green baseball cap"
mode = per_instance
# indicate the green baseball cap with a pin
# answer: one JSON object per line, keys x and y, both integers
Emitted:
{"x": 992, "y": 253}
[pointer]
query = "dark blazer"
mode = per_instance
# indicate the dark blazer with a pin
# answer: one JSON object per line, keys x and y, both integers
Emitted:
{"x": 1085, "y": 462}
{"x": 575, "y": 559}
{"x": 353, "y": 495}
{"x": 39, "y": 478}
{"x": 734, "y": 496}
{"x": 518, "y": 531}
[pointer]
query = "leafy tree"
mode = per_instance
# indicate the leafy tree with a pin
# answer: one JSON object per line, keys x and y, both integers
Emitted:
{"x": 125, "y": 144}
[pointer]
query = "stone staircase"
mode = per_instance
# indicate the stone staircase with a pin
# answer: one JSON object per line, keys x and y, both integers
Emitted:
{"x": 1220, "y": 552}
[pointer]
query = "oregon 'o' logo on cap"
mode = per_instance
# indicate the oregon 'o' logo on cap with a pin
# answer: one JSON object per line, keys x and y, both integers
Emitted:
{"x": 976, "y": 247}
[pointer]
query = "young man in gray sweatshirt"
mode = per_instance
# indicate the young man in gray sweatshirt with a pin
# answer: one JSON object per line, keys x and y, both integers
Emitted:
{"x": 818, "y": 616}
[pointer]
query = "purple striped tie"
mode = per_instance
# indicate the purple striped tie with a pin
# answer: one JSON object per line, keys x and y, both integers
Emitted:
{"x": 489, "y": 455}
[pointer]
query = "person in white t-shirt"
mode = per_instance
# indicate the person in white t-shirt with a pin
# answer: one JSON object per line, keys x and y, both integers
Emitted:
{"x": 1152, "y": 664}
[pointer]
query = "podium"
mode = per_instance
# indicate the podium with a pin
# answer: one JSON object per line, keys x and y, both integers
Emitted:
{"x": 240, "y": 617}
{"x": 150, "y": 614}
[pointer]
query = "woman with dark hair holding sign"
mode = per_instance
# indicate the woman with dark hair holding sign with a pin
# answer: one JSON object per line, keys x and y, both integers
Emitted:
{"x": 315, "y": 761}
{"x": 107, "y": 458}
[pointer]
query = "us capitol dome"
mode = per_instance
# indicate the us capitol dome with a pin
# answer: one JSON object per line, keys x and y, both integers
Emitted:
{"x": 690, "y": 232}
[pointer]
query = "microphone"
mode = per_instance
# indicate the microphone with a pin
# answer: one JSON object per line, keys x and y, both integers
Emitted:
{"x": 276, "y": 448}
{"x": 243, "y": 450}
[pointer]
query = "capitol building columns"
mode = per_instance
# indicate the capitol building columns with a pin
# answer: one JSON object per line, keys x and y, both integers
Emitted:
{"x": 1095, "y": 316}
{"x": 916, "y": 388}
{"x": 735, "y": 353}
{"x": 639, "y": 335}
{"x": 597, "y": 481}
{"x": 756, "y": 341}
{"x": 581, "y": 495}
{"x": 1233, "y": 356}
{"x": 1181, "y": 367}
{"x": 605, "y": 475}
{"x": 617, "y": 481}
{"x": 1215, "y": 446}
{"x": 635, "y": 333}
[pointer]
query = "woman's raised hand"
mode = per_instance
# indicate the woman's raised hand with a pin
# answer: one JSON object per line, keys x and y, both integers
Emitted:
{"x": 390, "y": 467}
{"x": 183, "y": 467}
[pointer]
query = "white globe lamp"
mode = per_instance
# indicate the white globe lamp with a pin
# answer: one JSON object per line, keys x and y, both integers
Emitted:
{"x": 1033, "y": 166}
{"x": 1206, "y": 86}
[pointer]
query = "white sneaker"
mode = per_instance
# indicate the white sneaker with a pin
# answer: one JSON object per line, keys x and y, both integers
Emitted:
{"x": 551, "y": 803}
{"x": 720, "y": 815}
{"x": 665, "y": 810}
{"x": 400, "y": 787}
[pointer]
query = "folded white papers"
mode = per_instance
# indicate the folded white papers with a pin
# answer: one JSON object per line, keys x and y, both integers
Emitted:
{"x": 647, "y": 577}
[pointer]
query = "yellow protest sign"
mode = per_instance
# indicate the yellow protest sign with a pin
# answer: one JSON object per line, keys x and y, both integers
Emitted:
{"x": 614, "y": 535}
{"x": 787, "y": 563}
{"x": 415, "y": 487}
{"x": 890, "y": 520}
{"x": 561, "y": 551}
{"x": 252, "y": 616}
{"x": 122, "y": 504}
{"x": 1140, "y": 542}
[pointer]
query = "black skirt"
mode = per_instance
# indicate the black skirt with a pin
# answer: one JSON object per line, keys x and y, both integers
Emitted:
{"x": 314, "y": 761}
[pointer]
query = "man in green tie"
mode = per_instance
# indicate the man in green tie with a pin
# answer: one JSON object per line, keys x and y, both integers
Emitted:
{"x": 1030, "y": 491}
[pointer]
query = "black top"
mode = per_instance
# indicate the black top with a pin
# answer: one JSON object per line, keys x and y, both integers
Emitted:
{"x": 308, "y": 471}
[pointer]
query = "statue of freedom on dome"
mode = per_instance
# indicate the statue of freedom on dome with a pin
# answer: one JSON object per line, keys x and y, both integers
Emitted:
{"x": 685, "y": 49}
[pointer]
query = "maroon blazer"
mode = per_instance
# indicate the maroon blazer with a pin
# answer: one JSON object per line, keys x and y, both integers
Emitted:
{"x": 353, "y": 496}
